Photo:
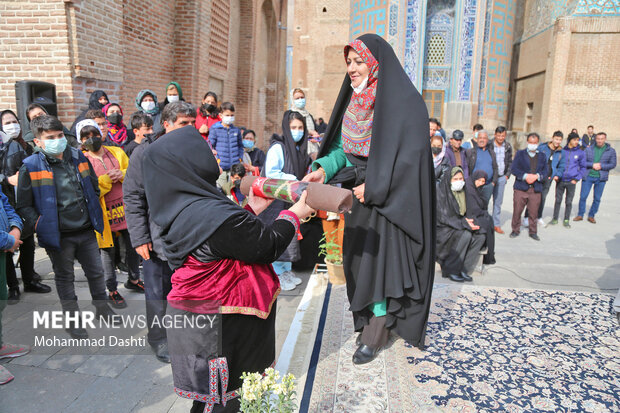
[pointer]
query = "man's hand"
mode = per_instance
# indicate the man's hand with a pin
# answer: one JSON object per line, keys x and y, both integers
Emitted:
{"x": 473, "y": 226}
{"x": 573, "y": 181}
{"x": 204, "y": 129}
{"x": 16, "y": 233}
{"x": 358, "y": 191}
{"x": 144, "y": 250}
{"x": 596, "y": 167}
{"x": 316, "y": 176}
{"x": 531, "y": 178}
{"x": 556, "y": 178}
{"x": 13, "y": 179}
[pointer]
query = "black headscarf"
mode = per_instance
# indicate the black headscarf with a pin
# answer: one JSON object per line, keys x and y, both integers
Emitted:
{"x": 93, "y": 101}
{"x": 445, "y": 197}
{"x": 400, "y": 178}
{"x": 20, "y": 139}
{"x": 475, "y": 199}
{"x": 180, "y": 174}
{"x": 295, "y": 153}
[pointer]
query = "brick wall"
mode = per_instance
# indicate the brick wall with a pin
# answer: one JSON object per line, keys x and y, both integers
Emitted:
{"x": 318, "y": 62}
{"x": 123, "y": 47}
{"x": 34, "y": 45}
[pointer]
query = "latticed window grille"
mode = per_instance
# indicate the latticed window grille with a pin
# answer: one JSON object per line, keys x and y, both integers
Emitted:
{"x": 436, "y": 52}
{"x": 218, "y": 48}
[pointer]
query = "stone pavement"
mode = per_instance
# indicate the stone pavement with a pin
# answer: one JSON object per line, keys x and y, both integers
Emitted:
{"x": 583, "y": 258}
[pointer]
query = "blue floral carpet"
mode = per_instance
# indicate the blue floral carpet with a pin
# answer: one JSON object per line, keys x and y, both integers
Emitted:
{"x": 488, "y": 349}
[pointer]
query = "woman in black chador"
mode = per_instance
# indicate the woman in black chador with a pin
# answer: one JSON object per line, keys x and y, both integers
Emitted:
{"x": 222, "y": 255}
{"x": 377, "y": 142}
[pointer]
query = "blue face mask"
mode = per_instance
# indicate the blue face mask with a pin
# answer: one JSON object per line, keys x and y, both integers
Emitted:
{"x": 54, "y": 147}
{"x": 248, "y": 144}
{"x": 297, "y": 135}
{"x": 300, "y": 103}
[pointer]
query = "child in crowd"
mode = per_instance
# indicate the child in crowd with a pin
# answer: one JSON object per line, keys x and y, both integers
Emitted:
{"x": 225, "y": 139}
{"x": 141, "y": 124}
{"x": 232, "y": 188}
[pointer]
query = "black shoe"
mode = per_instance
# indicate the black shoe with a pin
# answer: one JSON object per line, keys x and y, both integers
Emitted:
{"x": 77, "y": 332}
{"x": 535, "y": 237}
{"x": 456, "y": 277}
{"x": 117, "y": 300}
{"x": 13, "y": 297}
{"x": 161, "y": 352}
{"x": 358, "y": 340}
{"x": 364, "y": 354}
{"x": 514, "y": 234}
{"x": 104, "y": 311}
{"x": 37, "y": 287}
{"x": 36, "y": 276}
{"x": 466, "y": 277}
{"x": 139, "y": 286}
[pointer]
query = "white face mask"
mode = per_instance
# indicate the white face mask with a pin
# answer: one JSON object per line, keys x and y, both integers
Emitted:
{"x": 228, "y": 120}
{"x": 173, "y": 98}
{"x": 12, "y": 129}
{"x": 361, "y": 87}
{"x": 148, "y": 105}
{"x": 457, "y": 185}
{"x": 4, "y": 137}
{"x": 532, "y": 147}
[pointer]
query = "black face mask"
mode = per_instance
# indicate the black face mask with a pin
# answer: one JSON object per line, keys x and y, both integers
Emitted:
{"x": 92, "y": 144}
{"x": 435, "y": 150}
{"x": 115, "y": 118}
{"x": 209, "y": 107}
{"x": 237, "y": 183}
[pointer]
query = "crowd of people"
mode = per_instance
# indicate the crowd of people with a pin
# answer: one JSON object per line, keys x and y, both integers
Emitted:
{"x": 469, "y": 174}
{"x": 159, "y": 197}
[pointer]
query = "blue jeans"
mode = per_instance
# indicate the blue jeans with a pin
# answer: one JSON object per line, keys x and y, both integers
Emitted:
{"x": 498, "y": 199}
{"x": 586, "y": 186}
{"x": 157, "y": 285}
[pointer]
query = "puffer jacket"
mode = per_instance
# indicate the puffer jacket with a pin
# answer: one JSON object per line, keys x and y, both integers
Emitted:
{"x": 228, "y": 144}
{"x": 608, "y": 160}
{"x": 575, "y": 167}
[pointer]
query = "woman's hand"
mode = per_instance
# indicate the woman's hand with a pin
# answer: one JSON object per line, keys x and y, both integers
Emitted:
{"x": 204, "y": 129}
{"x": 358, "y": 191}
{"x": 301, "y": 209}
{"x": 316, "y": 176}
{"x": 257, "y": 203}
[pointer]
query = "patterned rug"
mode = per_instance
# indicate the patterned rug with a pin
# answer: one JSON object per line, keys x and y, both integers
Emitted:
{"x": 488, "y": 349}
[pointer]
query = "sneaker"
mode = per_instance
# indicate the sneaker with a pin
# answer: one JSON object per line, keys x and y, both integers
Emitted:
{"x": 526, "y": 222}
{"x": 12, "y": 350}
{"x": 117, "y": 300}
{"x": 139, "y": 286}
{"x": 554, "y": 222}
{"x": 285, "y": 283}
{"x": 5, "y": 376}
{"x": 291, "y": 276}
{"x": 541, "y": 222}
{"x": 567, "y": 223}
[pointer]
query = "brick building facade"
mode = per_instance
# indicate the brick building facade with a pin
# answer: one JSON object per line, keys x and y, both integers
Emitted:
{"x": 233, "y": 47}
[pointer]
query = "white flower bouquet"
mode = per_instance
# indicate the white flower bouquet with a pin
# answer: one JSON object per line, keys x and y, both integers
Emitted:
{"x": 267, "y": 393}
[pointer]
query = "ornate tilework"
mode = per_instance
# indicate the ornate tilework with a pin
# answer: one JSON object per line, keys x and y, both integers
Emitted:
{"x": 412, "y": 39}
{"x": 603, "y": 7}
{"x": 368, "y": 16}
{"x": 467, "y": 50}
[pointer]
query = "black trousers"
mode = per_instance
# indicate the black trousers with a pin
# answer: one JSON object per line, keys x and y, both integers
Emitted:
{"x": 157, "y": 285}
{"x": 560, "y": 187}
{"x": 26, "y": 264}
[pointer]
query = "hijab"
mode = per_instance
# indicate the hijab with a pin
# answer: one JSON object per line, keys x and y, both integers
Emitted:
{"x": 295, "y": 153}
{"x": 400, "y": 178}
{"x": 475, "y": 198}
{"x": 19, "y": 139}
{"x": 179, "y": 91}
{"x": 93, "y": 100}
{"x": 181, "y": 190}
{"x": 118, "y": 133}
{"x": 437, "y": 159}
{"x": 459, "y": 196}
{"x": 358, "y": 118}
{"x": 309, "y": 121}
{"x": 139, "y": 98}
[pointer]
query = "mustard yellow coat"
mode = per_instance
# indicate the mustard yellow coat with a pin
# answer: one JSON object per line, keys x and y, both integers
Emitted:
{"x": 106, "y": 240}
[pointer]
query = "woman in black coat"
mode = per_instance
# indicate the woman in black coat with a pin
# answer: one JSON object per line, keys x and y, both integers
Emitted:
{"x": 477, "y": 210}
{"x": 458, "y": 239}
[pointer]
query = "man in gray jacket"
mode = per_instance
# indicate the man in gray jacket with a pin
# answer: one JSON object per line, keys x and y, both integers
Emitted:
{"x": 144, "y": 233}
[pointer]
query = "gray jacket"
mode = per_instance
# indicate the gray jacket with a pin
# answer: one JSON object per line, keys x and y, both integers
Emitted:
{"x": 142, "y": 230}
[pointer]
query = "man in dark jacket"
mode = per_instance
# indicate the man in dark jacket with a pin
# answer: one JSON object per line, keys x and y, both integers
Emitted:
{"x": 574, "y": 171}
{"x": 58, "y": 196}
{"x": 456, "y": 154}
{"x": 34, "y": 110}
{"x": 503, "y": 157}
{"x": 588, "y": 138}
{"x": 145, "y": 234}
{"x": 482, "y": 157}
{"x": 530, "y": 171}
{"x": 555, "y": 167}
{"x": 600, "y": 159}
